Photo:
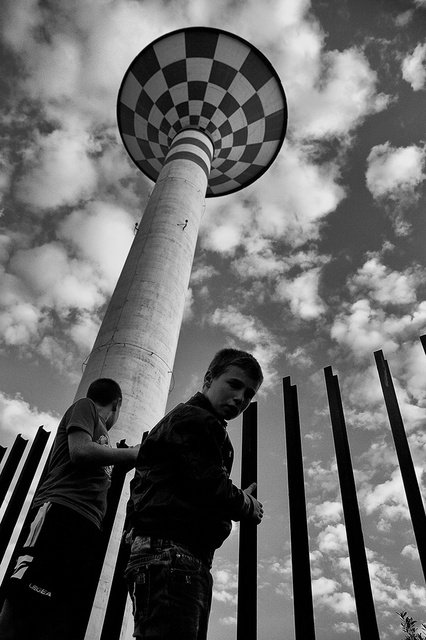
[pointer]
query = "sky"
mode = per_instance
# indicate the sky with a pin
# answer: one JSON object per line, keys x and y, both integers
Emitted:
{"x": 319, "y": 262}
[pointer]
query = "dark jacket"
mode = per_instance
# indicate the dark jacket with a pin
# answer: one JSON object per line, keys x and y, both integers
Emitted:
{"x": 182, "y": 490}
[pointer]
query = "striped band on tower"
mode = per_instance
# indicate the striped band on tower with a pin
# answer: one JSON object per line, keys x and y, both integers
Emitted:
{"x": 191, "y": 145}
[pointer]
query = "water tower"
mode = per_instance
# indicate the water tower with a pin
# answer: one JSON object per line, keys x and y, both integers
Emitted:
{"x": 202, "y": 113}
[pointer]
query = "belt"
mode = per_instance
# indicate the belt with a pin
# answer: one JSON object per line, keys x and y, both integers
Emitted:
{"x": 154, "y": 544}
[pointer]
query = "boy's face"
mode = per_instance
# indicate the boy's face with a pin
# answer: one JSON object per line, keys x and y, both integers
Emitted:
{"x": 231, "y": 392}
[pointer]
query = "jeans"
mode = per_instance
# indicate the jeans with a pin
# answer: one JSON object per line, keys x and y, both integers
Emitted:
{"x": 171, "y": 591}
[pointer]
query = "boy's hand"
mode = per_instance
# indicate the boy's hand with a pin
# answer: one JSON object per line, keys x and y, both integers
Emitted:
{"x": 257, "y": 507}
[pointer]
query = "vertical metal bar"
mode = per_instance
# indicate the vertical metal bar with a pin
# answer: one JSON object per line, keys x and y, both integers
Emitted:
{"x": 113, "y": 499}
{"x": 21, "y": 489}
{"x": 247, "y": 557}
{"x": 116, "y": 607}
{"x": 11, "y": 464}
{"x": 361, "y": 580}
{"x": 412, "y": 491}
{"x": 302, "y": 585}
{"x": 20, "y": 540}
{"x": 2, "y": 452}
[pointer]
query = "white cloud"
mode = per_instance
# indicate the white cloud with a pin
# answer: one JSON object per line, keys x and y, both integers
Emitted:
{"x": 17, "y": 416}
{"x": 344, "y": 627}
{"x": 302, "y": 293}
{"x": 102, "y": 233}
{"x": 339, "y": 98}
{"x": 250, "y": 330}
{"x": 364, "y": 329}
{"x": 388, "y": 498}
{"x": 390, "y": 593}
{"x": 59, "y": 170}
{"x": 225, "y": 583}
{"x": 326, "y": 594}
{"x": 414, "y": 67}
{"x": 392, "y": 170}
{"x": 323, "y": 586}
{"x": 201, "y": 273}
{"x": 332, "y": 540}
{"x": 296, "y": 194}
{"x": 47, "y": 278}
{"x": 384, "y": 285}
{"x": 410, "y": 551}
{"x": 326, "y": 512}
{"x": 188, "y": 312}
{"x": 19, "y": 322}
{"x": 55, "y": 280}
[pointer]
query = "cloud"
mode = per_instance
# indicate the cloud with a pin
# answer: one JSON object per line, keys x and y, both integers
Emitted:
{"x": 325, "y": 513}
{"x": 17, "y": 416}
{"x": 69, "y": 277}
{"x": 414, "y": 67}
{"x": 333, "y": 540}
{"x": 392, "y": 171}
{"x": 289, "y": 203}
{"x": 326, "y": 594}
{"x": 386, "y": 286}
{"x": 302, "y": 294}
{"x": 390, "y": 593}
{"x": 341, "y": 95}
{"x": 225, "y": 583}
{"x": 388, "y": 498}
{"x": 45, "y": 287}
{"x": 102, "y": 233}
{"x": 362, "y": 329}
{"x": 411, "y": 551}
{"x": 55, "y": 280}
{"x": 249, "y": 330}
{"x": 365, "y": 329}
{"x": 19, "y": 320}
{"x": 58, "y": 170}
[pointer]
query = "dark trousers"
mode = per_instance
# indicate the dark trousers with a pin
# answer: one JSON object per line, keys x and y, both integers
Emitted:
{"x": 171, "y": 591}
{"x": 48, "y": 592}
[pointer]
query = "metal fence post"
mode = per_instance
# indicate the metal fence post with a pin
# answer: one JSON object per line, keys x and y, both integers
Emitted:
{"x": 247, "y": 558}
{"x": 11, "y": 464}
{"x": 22, "y": 486}
{"x": 301, "y": 568}
{"x": 411, "y": 486}
{"x": 366, "y": 613}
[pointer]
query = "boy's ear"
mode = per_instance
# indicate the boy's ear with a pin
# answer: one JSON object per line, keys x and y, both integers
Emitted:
{"x": 116, "y": 404}
{"x": 208, "y": 379}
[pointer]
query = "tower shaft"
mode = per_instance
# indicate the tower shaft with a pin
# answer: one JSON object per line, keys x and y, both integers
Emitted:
{"x": 137, "y": 341}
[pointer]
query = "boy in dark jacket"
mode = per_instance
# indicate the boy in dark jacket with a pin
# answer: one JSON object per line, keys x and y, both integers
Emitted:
{"x": 182, "y": 503}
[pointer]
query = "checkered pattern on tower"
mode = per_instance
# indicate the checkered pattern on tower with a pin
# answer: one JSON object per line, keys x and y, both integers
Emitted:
{"x": 211, "y": 80}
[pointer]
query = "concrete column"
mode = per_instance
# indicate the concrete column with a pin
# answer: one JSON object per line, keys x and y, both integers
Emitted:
{"x": 137, "y": 341}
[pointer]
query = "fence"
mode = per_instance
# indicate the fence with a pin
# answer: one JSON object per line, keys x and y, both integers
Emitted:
{"x": 302, "y": 595}
{"x": 247, "y": 566}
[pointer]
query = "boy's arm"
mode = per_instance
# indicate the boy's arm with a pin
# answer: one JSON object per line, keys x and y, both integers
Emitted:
{"x": 83, "y": 451}
{"x": 202, "y": 462}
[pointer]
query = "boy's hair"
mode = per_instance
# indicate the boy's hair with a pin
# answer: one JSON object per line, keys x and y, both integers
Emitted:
{"x": 104, "y": 391}
{"x": 228, "y": 357}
